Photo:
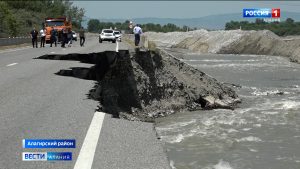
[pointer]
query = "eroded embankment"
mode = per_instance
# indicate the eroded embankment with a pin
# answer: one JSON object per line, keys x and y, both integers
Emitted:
{"x": 144, "y": 85}
{"x": 230, "y": 42}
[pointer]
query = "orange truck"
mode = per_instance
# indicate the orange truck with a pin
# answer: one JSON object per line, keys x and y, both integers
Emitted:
{"x": 58, "y": 24}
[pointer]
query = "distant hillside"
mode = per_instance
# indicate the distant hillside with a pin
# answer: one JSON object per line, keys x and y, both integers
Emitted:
{"x": 207, "y": 22}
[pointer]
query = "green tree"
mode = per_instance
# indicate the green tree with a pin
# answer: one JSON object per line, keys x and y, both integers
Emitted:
{"x": 289, "y": 20}
{"x": 8, "y": 21}
{"x": 75, "y": 13}
{"x": 259, "y": 21}
{"x": 93, "y": 25}
{"x": 18, "y": 17}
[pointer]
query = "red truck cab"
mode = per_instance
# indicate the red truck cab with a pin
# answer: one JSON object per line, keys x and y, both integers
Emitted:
{"x": 58, "y": 24}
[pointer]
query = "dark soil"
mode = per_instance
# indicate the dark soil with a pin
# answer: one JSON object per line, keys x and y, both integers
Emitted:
{"x": 144, "y": 85}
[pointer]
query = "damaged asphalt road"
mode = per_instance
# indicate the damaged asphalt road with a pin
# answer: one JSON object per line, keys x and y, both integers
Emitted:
{"x": 37, "y": 103}
{"x": 42, "y": 99}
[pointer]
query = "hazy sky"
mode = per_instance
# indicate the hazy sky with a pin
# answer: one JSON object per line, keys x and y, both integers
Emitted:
{"x": 175, "y": 9}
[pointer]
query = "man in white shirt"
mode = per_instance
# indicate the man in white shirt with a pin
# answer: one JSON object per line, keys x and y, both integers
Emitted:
{"x": 137, "y": 30}
{"x": 43, "y": 36}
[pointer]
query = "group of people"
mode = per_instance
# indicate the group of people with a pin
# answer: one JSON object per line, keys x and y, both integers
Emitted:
{"x": 66, "y": 37}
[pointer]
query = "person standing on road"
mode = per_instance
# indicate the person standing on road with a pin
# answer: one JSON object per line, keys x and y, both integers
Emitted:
{"x": 137, "y": 30}
{"x": 34, "y": 33}
{"x": 53, "y": 37}
{"x": 69, "y": 37}
{"x": 64, "y": 37}
{"x": 81, "y": 36}
{"x": 43, "y": 36}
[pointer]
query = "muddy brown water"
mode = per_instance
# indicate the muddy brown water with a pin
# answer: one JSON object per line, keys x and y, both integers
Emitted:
{"x": 263, "y": 133}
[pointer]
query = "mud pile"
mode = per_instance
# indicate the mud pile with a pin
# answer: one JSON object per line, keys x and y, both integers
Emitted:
{"x": 230, "y": 42}
{"x": 144, "y": 85}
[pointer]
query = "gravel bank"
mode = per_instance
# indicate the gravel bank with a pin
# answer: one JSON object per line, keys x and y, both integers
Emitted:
{"x": 230, "y": 42}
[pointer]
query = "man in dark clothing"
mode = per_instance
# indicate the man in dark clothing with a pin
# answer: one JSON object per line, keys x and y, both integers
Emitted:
{"x": 69, "y": 37}
{"x": 34, "y": 33}
{"x": 64, "y": 37}
{"x": 53, "y": 37}
{"x": 82, "y": 36}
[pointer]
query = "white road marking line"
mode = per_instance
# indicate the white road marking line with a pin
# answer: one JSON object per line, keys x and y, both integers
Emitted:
{"x": 87, "y": 151}
{"x": 117, "y": 47}
{"x": 52, "y": 52}
{"x": 11, "y": 64}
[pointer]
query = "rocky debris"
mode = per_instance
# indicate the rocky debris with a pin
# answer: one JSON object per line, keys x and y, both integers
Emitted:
{"x": 230, "y": 42}
{"x": 144, "y": 85}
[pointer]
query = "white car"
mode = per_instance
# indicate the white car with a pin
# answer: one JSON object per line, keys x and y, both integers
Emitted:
{"x": 107, "y": 35}
{"x": 118, "y": 35}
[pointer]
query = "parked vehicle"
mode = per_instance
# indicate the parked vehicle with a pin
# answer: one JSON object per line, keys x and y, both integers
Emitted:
{"x": 107, "y": 35}
{"x": 118, "y": 35}
{"x": 58, "y": 24}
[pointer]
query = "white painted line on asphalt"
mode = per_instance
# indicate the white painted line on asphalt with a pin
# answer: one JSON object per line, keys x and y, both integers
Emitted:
{"x": 117, "y": 47}
{"x": 52, "y": 52}
{"x": 87, "y": 151}
{"x": 11, "y": 64}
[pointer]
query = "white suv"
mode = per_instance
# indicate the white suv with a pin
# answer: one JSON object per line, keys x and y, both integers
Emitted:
{"x": 118, "y": 35}
{"x": 107, "y": 35}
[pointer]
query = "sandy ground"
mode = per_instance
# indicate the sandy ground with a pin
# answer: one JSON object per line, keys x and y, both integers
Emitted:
{"x": 230, "y": 42}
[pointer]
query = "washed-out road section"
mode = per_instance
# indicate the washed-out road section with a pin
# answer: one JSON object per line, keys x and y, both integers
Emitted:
{"x": 35, "y": 103}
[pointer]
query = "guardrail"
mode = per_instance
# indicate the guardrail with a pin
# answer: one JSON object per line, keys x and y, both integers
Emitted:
{"x": 14, "y": 41}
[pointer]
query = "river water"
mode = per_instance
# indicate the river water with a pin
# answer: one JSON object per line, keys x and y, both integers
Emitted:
{"x": 262, "y": 133}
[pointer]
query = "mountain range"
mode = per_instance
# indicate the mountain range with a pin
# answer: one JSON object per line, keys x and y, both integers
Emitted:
{"x": 211, "y": 22}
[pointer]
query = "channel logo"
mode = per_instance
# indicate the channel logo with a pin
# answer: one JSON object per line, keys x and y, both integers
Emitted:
{"x": 34, "y": 156}
{"x": 261, "y": 13}
{"x": 47, "y": 156}
{"x": 59, "y": 156}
